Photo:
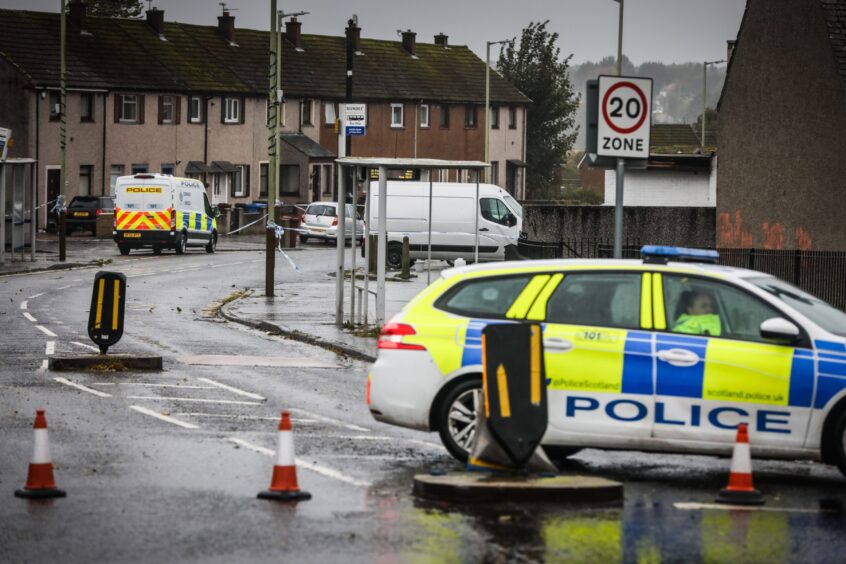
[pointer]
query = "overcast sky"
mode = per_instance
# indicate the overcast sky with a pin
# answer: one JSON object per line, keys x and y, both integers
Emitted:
{"x": 654, "y": 30}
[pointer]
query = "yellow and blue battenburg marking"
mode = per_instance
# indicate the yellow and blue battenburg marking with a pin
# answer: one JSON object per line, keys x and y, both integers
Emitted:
{"x": 194, "y": 220}
{"x": 832, "y": 371}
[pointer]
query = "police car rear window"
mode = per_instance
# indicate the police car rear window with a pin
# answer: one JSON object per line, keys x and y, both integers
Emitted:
{"x": 597, "y": 298}
{"x": 487, "y": 297}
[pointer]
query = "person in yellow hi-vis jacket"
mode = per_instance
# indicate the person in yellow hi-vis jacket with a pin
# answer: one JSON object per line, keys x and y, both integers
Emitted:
{"x": 699, "y": 317}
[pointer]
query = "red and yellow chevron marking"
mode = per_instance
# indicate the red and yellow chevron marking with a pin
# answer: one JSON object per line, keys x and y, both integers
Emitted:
{"x": 137, "y": 220}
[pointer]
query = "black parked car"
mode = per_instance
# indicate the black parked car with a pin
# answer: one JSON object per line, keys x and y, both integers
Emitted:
{"x": 83, "y": 211}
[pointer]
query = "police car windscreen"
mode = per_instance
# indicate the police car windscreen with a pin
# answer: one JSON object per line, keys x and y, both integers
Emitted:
{"x": 826, "y": 316}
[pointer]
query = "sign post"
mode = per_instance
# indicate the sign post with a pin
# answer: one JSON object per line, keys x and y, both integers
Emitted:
{"x": 356, "y": 122}
{"x": 623, "y": 125}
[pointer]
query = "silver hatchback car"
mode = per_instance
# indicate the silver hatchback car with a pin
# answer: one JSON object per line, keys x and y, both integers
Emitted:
{"x": 321, "y": 222}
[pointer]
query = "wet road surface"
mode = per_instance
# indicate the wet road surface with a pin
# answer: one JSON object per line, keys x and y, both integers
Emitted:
{"x": 166, "y": 466}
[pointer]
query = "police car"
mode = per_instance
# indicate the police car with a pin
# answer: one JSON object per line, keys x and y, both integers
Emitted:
{"x": 666, "y": 354}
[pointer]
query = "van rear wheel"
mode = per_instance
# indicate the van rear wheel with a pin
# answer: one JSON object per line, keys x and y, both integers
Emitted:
{"x": 124, "y": 250}
{"x": 181, "y": 243}
{"x": 394, "y": 258}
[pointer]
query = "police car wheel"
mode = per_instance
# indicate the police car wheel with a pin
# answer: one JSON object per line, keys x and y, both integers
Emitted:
{"x": 839, "y": 439}
{"x": 457, "y": 418}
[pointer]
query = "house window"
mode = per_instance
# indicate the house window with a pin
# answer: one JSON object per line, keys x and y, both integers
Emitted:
{"x": 512, "y": 117}
{"x": 167, "y": 109}
{"x": 168, "y": 168}
{"x": 86, "y": 106}
{"x": 396, "y": 115}
{"x": 55, "y": 106}
{"x": 231, "y": 110}
{"x": 116, "y": 172}
{"x": 470, "y": 115}
{"x": 140, "y": 168}
{"x": 424, "y": 115}
{"x": 445, "y": 116}
{"x": 494, "y": 117}
{"x": 262, "y": 180}
{"x": 195, "y": 109}
{"x": 84, "y": 180}
{"x": 129, "y": 108}
{"x": 239, "y": 180}
{"x": 305, "y": 112}
{"x": 495, "y": 172}
{"x": 329, "y": 113}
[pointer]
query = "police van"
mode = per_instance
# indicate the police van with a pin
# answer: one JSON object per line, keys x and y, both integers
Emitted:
{"x": 160, "y": 211}
{"x": 663, "y": 355}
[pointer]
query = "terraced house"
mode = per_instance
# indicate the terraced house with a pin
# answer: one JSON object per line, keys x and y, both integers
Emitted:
{"x": 158, "y": 96}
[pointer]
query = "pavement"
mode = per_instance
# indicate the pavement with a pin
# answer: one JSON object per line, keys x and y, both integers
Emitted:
{"x": 302, "y": 311}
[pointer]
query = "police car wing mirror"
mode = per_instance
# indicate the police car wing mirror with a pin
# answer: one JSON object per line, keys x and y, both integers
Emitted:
{"x": 779, "y": 329}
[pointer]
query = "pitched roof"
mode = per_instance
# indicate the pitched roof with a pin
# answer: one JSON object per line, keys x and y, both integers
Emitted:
{"x": 307, "y": 146}
{"x": 125, "y": 54}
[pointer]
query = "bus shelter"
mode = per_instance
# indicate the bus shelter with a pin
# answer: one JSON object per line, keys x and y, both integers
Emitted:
{"x": 17, "y": 208}
{"x": 347, "y": 185}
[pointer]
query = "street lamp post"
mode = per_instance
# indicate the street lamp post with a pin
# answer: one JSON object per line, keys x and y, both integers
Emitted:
{"x": 488, "y": 104}
{"x": 62, "y": 136}
{"x": 621, "y": 163}
{"x": 705, "y": 93}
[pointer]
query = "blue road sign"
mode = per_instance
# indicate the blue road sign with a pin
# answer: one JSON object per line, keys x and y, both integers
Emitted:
{"x": 356, "y": 129}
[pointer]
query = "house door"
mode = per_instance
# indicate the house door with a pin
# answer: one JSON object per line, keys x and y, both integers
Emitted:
{"x": 220, "y": 194}
{"x": 53, "y": 180}
{"x": 511, "y": 178}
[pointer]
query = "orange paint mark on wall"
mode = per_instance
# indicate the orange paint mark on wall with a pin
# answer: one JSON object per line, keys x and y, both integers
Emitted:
{"x": 773, "y": 235}
{"x": 732, "y": 233}
{"x": 803, "y": 239}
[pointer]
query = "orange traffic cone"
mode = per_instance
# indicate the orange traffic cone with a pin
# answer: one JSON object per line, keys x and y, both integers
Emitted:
{"x": 740, "y": 490}
{"x": 283, "y": 485}
{"x": 39, "y": 481}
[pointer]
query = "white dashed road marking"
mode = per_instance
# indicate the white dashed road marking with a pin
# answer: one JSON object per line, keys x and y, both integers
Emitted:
{"x": 328, "y": 472}
{"x": 249, "y": 417}
{"x": 67, "y": 382}
{"x": 30, "y": 317}
{"x": 51, "y": 348}
{"x": 163, "y": 417}
{"x": 45, "y": 331}
{"x": 232, "y": 389}
{"x": 330, "y": 420}
{"x": 23, "y": 304}
{"x": 77, "y": 343}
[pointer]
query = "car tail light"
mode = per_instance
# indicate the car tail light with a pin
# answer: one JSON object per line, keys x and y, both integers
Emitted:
{"x": 335, "y": 221}
{"x": 391, "y": 337}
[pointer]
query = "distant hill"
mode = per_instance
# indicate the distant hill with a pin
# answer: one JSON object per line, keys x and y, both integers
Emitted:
{"x": 677, "y": 88}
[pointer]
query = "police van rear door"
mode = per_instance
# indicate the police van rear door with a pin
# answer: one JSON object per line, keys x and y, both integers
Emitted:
{"x": 142, "y": 204}
{"x": 708, "y": 383}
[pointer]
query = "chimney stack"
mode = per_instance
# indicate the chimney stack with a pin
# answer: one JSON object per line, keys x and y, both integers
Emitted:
{"x": 155, "y": 19}
{"x": 442, "y": 40}
{"x": 409, "y": 42}
{"x": 77, "y": 10}
{"x": 730, "y": 44}
{"x": 226, "y": 26}
{"x": 354, "y": 35}
{"x": 293, "y": 30}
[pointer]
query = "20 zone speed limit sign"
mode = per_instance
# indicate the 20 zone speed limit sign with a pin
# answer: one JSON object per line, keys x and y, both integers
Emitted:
{"x": 625, "y": 110}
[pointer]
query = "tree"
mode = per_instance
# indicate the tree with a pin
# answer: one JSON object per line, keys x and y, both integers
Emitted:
{"x": 115, "y": 8}
{"x": 536, "y": 68}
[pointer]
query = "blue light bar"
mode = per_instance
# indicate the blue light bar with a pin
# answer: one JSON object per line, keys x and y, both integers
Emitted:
{"x": 663, "y": 254}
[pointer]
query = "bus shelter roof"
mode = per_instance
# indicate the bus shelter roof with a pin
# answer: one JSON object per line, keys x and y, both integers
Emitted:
{"x": 376, "y": 162}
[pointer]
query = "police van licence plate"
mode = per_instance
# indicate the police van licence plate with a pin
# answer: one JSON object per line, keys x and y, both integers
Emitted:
{"x": 131, "y": 235}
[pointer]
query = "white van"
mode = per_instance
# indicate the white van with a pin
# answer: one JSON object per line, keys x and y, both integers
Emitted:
{"x": 454, "y": 213}
{"x": 159, "y": 211}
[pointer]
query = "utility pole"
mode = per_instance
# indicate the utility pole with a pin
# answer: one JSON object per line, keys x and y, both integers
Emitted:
{"x": 62, "y": 136}
{"x": 272, "y": 154}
